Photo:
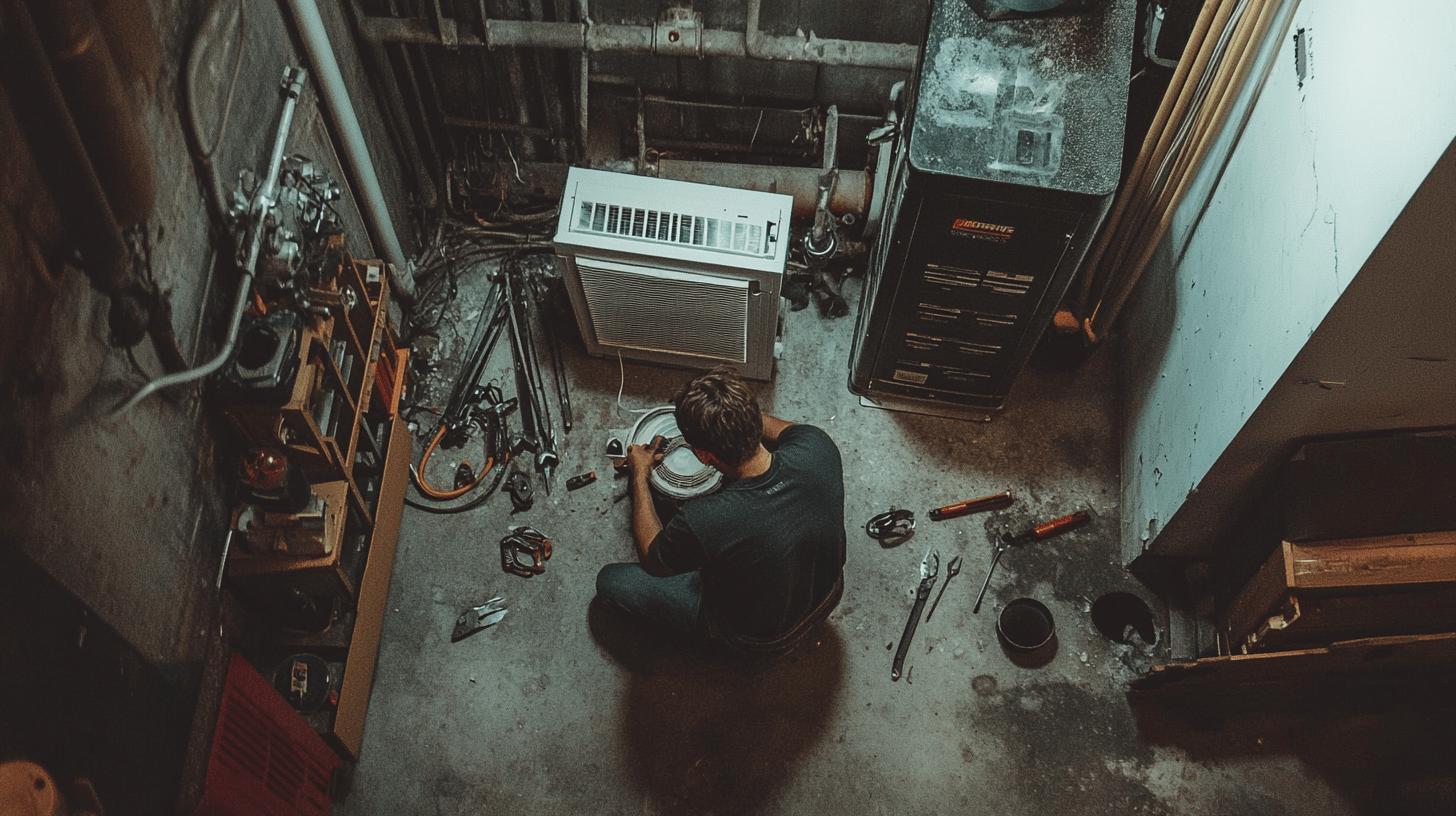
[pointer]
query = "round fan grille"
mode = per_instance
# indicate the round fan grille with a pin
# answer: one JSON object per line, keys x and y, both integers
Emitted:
{"x": 680, "y": 475}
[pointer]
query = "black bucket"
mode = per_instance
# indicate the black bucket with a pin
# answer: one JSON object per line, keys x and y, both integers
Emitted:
{"x": 1025, "y": 625}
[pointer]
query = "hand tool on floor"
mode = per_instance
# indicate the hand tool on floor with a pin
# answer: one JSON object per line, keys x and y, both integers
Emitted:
{"x": 525, "y": 551}
{"x": 892, "y": 527}
{"x": 929, "y": 568}
{"x": 518, "y": 487}
{"x": 530, "y": 387}
{"x": 546, "y": 462}
{"x": 563, "y": 389}
{"x": 581, "y": 480}
{"x": 951, "y": 570}
{"x": 474, "y": 619}
{"x": 995, "y": 501}
{"x": 471, "y": 405}
{"x": 1037, "y": 532}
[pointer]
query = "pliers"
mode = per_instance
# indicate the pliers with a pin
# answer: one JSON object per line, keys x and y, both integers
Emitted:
{"x": 476, "y": 618}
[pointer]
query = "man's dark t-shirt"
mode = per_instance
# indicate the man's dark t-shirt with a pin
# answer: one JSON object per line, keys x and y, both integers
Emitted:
{"x": 770, "y": 548}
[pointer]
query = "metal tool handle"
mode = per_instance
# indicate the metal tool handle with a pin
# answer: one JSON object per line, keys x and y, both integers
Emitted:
{"x": 938, "y": 596}
{"x": 992, "y": 571}
{"x": 921, "y": 593}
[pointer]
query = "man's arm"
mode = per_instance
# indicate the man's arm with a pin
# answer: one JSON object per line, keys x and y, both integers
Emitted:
{"x": 645, "y": 523}
{"x": 772, "y": 427}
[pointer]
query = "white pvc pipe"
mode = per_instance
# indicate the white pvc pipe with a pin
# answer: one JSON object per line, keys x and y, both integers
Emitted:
{"x": 335, "y": 97}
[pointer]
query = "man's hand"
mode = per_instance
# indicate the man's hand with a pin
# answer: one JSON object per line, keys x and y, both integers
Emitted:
{"x": 645, "y": 523}
{"x": 641, "y": 459}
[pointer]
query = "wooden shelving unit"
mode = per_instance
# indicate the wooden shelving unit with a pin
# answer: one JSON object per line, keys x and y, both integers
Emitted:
{"x": 340, "y": 424}
{"x": 323, "y": 423}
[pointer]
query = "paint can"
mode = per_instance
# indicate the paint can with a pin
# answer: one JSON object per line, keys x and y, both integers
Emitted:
{"x": 1025, "y": 625}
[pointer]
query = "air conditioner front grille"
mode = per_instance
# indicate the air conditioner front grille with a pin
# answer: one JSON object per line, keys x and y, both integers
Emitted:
{"x": 736, "y": 236}
{"x": 669, "y": 311}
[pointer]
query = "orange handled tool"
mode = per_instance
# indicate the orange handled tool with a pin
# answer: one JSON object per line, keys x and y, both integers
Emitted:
{"x": 1057, "y": 526}
{"x": 1037, "y": 532}
{"x": 995, "y": 501}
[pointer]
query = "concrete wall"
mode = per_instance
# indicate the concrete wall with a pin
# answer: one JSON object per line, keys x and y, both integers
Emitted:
{"x": 128, "y": 512}
{"x": 1308, "y": 296}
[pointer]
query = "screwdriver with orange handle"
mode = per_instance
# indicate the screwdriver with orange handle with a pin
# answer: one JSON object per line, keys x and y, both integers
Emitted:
{"x": 995, "y": 501}
{"x": 1037, "y": 532}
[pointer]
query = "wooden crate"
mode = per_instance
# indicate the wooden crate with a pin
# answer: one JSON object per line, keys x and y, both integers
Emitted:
{"x": 1301, "y": 669}
{"x": 1318, "y": 592}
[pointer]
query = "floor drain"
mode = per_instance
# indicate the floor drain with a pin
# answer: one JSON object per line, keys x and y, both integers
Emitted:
{"x": 1118, "y": 615}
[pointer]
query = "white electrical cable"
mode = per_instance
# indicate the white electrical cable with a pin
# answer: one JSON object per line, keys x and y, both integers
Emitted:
{"x": 621, "y": 385}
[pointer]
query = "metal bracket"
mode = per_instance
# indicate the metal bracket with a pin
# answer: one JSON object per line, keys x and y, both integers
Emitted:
{"x": 679, "y": 33}
{"x": 446, "y": 27}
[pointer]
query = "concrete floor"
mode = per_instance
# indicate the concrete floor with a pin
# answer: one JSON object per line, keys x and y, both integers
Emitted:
{"x": 565, "y": 708}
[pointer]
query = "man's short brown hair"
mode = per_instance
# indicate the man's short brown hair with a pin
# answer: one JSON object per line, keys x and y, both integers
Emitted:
{"x": 717, "y": 412}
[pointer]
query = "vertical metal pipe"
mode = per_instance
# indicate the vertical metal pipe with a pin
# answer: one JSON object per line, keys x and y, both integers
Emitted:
{"x": 583, "y": 93}
{"x": 831, "y": 138}
{"x": 335, "y": 96}
{"x": 407, "y": 64}
{"x": 377, "y": 65}
{"x": 510, "y": 60}
{"x": 293, "y": 79}
{"x": 548, "y": 66}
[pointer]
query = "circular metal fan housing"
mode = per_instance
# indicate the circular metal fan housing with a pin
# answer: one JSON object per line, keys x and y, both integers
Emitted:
{"x": 680, "y": 475}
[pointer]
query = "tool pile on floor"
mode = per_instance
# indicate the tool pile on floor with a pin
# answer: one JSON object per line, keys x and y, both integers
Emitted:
{"x": 511, "y": 308}
{"x": 1024, "y": 625}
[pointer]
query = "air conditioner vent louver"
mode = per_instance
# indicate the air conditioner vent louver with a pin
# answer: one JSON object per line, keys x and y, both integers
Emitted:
{"x": 672, "y": 272}
{"x": 675, "y": 312}
{"x": 720, "y": 234}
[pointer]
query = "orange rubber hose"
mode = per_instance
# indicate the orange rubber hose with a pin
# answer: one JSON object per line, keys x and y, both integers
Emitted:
{"x": 429, "y": 490}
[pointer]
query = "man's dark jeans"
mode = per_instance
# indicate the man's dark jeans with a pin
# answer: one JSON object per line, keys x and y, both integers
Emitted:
{"x": 674, "y": 603}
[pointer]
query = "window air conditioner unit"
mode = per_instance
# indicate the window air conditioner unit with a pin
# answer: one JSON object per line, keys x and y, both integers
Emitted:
{"x": 673, "y": 272}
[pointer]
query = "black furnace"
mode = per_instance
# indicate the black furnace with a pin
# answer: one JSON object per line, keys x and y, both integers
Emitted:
{"x": 1006, "y": 162}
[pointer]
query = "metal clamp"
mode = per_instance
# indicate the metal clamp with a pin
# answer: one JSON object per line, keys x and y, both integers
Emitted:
{"x": 679, "y": 33}
{"x": 892, "y": 527}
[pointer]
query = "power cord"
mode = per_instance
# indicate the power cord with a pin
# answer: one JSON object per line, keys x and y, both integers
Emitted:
{"x": 621, "y": 385}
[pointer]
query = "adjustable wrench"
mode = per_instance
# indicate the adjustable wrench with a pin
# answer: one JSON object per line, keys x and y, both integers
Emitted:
{"x": 929, "y": 568}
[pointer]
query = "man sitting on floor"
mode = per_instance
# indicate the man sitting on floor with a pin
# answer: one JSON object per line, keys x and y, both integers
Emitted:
{"x": 757, "y": 564}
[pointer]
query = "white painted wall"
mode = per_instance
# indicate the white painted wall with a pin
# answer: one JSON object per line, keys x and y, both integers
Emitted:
{"x": 1314, "y": 183}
